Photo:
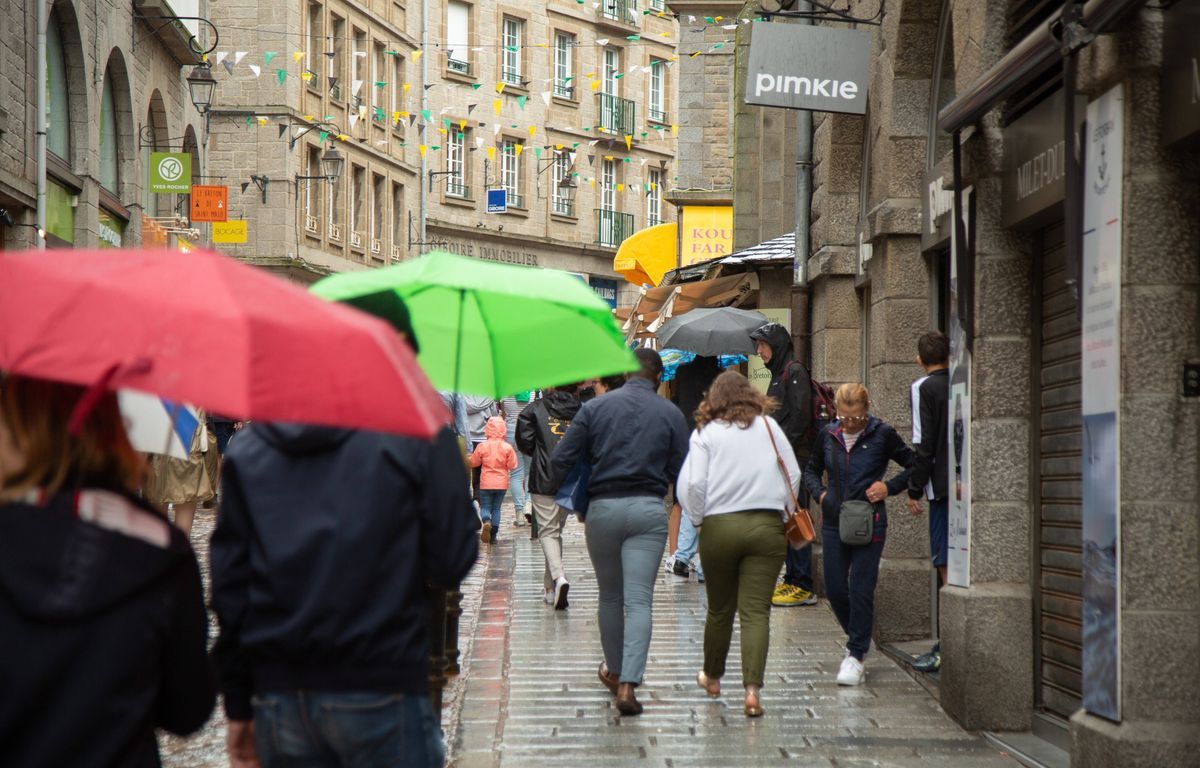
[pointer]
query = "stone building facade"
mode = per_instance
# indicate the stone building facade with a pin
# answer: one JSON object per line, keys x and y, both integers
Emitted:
{"x": 567, "y": 108}
{"x": 116, "y": 91}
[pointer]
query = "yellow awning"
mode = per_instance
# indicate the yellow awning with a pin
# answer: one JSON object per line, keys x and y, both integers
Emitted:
{"x": 646, "y": 256}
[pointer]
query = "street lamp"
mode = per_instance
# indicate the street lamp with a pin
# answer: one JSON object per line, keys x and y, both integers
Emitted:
{"x": 201, "y": 85}
{"x": 332, "y": 162}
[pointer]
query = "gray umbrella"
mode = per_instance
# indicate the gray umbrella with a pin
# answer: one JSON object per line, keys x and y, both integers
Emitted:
{"x": 712, "y": 332}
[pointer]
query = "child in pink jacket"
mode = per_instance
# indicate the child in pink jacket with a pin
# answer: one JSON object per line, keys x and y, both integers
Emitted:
{"x": 497, "y": 458}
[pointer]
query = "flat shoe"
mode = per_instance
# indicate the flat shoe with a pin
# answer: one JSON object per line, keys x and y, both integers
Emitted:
{"x": 703, "y": 681}
{"x": 611, "y": 682}
{"x": 627, "y": 703}
{"x": 753, "y": 708}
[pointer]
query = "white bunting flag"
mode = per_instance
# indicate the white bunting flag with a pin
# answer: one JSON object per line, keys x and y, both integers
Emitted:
{"x": 546, "y": 97}
{"x": 221, "y": 56}
{"x": 256, "y": 70}
{"x": 237, "y": 57}
{"x": 356, "y": 86}
{"x": 602, "y": 41}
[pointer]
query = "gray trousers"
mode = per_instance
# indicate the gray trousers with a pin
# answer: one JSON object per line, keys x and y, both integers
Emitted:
{"x": 550, "y": 519}
{"x": 625, "y": 539}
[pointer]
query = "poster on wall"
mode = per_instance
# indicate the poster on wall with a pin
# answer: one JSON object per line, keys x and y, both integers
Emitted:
{"x": 958, "y": 558}
{"x": 1100, "y": 368}
{"x": 759, "y": 374}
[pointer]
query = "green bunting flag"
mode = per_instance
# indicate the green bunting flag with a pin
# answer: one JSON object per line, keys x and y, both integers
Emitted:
{"x": 281, "y": 74}
{"x": 521, "y": 101}
{"x": 476, "y": 86}
{"x": 633, "y": 37}
{"x": 322, "y": 136}
{"x": 425, "y": 115}
{"x": 268, "y": 55}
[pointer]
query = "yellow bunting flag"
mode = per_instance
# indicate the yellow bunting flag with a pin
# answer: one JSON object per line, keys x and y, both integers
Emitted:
{"x": 595, "y": 85}
{"x": 422, "y": 149}
{"x": 499, "y": 87}
{"x": 462, "y": 125}
{"x": 297, "y": 55}
{"x": 491, "y": 153}
{"x": 674, "y": 130}
{"x": 443, "y": 131}
{"x": 532, "y": 130}
{"x": 609, "y": 158}
{"x": 558, "y": 146}
{"x": 417, "y": 55}
{"x": 306, "y": 76}
{"x": 309, "y": 118}
{"x": 342, "y": 137}
{"x": 620, "y": 187}
{"x": 518, "y": 149}
{"x": 496, "y": 104}
{"x": 406, "y": 86}
{"x": 262, "y": 121}
{"x": 628, "y": 142}
{"x": 592, "y": 183}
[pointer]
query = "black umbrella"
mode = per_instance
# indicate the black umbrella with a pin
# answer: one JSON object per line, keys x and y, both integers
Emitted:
{"x": 712, "y": 332}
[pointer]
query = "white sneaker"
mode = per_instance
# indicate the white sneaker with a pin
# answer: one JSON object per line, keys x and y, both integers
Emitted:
{"x": 560, "y": 594}
{"x": 852, "y": 672}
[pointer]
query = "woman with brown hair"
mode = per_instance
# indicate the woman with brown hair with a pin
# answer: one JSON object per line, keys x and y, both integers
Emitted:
{"x": 733, "y": 491}
{"x": 104, "y": 635}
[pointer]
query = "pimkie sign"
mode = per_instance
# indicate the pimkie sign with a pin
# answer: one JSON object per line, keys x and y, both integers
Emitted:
{"x": 802, "y": 67}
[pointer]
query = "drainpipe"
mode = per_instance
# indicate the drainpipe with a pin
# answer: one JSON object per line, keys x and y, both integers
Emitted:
{"x": 43, "y": 21}
{"x": 424, "y": 180}
{"x": 800, "y": 293}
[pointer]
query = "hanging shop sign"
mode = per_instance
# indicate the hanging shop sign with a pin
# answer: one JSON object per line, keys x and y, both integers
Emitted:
{"x": 229, "y": 231}
{"x": 1100, "y": 366}
{"x": 497, "y": 200}
{"x": 706, "y": 232}
{"x": 605, "y": 289}
{"x": 154, "y": 235}
{"x": 804, "y": 67}
{"x": 1035, "y": 165}
{"x": 60, "y": 213}
{"x": 111, "y": 231}
{"x": 937, "y": 208}
{"x": 1181, "y": 73}
{"x": 209, "y": 203}
{"x": 170, "y": 172}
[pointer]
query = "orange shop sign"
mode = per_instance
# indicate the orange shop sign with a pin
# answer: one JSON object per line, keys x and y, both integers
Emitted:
{"x": 209, "y": 203}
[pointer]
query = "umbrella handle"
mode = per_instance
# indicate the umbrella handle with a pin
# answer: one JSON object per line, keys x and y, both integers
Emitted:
{"x": 91, "y": 398}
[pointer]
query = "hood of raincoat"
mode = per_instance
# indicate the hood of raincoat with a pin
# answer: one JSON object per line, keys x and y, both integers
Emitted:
{"x": 496, "y": 428}
{"x": 780, "y": 342}
{"x": 298, "y": 439}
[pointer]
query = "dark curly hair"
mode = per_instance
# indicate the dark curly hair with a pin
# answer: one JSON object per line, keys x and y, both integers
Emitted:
{"x": 732, "y": 399}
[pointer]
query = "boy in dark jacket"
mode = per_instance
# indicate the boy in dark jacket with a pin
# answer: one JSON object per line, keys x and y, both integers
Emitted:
{"x": 930, "y": 475}
{"x": 791, "y": 388}
{"x": 855, "y": 451}
{"x": 325, "y": 542}
{"x": 539, "y": 428}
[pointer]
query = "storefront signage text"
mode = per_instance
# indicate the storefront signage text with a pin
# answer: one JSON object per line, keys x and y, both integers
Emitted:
{"x": 706, "y": 232}
{"x": 802, "y": 67}
{"x": 492, "y": 253}
{"x": 937, "y": 204}
{"x": 1035, "y": 164}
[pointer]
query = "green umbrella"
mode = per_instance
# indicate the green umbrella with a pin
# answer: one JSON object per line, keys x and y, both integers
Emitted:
{"x": 491, "y": 329}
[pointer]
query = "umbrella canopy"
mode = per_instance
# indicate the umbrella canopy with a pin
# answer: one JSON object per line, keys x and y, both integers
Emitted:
{"x": 712, "y": 332}
{"x": 206, "y": 329}
{"x": 492, "y": 329}
{"x": 155, "y": 425}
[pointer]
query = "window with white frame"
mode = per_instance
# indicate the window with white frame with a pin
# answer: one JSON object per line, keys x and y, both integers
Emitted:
{"x": 358, "y": 192}
{"x": 379, "y": 83}
{"x": 458, "y": 37}
{"x": 378, "y": 206}
{"x": 608, "y": 185}
{"x": 335, "y": 210}
{"x": 611, "y": 84}
{"x": 564, "y": 72}
{"x": 513, "y": 39}
{"x": 658, "y": 91}
{"x": 312, "y": 189}
{"x": 337, "y": 68}
{"x": 359, "y": 67}
{"x": 397, "y": 91}
{"x": 654, "y": 197}
{"x": 510, "y": 172}
{"x": 560, "y": 176}
{"x": 456, "y": 164}
{"x": 398, "y": 236}
{"x": 315, "y": 42}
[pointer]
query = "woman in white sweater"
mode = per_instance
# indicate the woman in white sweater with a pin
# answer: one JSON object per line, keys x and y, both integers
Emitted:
{"x": 732, "y": 489}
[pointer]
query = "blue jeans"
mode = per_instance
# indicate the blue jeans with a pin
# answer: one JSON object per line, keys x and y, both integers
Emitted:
{"x": 850, "y": 577}
{"x": 346, "y": 730}
{"x": 516, "y": 477}
{"x": 489, "y": 507}
{"x": 688, "y": 544}
{"x": 798, "y": 564}
{"x": 625, "y": 539}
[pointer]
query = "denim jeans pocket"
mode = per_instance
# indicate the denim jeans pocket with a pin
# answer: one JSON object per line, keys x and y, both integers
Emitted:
{"x": 266, "y": 723}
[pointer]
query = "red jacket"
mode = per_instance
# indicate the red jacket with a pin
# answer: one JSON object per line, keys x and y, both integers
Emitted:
{"x": 495, "y": 456}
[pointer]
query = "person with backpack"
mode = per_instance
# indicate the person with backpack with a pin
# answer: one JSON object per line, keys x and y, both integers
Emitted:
{"x": 793, "y": 389}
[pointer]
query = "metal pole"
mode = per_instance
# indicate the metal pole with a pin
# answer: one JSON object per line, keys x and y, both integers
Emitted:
{"x": 803, "y": 181}
{"x": 41, "y": 122}
{"x": 424, "y": 106}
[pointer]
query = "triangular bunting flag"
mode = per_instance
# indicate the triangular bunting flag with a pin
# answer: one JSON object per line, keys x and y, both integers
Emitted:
{"x": 426, "y": 115}
{"x": 628, "y": 142}
{"x": 521, "y": 101}
{"x": 221, "y": 56}
{"x": 471, "y": 108}
{"x": 228, "y": 66}
{"x": 532, "y": 130}
{"x": 496, "y": 104}
{"x": 355, "y": 86}
{"x": 281, "y": 74}
{"x": 416, "y": 56}
{"x": 238, "y": 56}
{"x": 491, "y": 153}
{"x": 297, "y": 55}
{"x": 268, "y": 55}
{"x": 256, "y": 70}
{"x": 244, "y": 185}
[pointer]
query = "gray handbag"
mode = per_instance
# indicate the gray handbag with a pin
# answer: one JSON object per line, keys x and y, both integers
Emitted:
{"x": 856, "y": 523}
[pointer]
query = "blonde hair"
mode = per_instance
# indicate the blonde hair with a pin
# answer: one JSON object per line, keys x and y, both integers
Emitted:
{"x": 37, "y": 413}
{"x": 853, "y": 394}
{"x": 731, "y": 398}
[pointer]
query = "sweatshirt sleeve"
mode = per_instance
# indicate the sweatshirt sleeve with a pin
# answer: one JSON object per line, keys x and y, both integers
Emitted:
{"x": 512, "y": 456}
{"x": 526, "y": 435}
{"x": 187, "y": 690}
{"x": 922, "y": 467}
{"x": 449, "y": 544}
{"x": 899, "y": 452}
{"x": 679, "y": 445}
{"x": 815, "y": 471}
{"x": 692, "y": 487}
{"x": 229, "y": 556}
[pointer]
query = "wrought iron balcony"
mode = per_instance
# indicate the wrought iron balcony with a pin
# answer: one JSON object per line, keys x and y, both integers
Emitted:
{"x": 624, "y": 11}
{"x": 616, "y": 115}
{"x": 612, "y": 227}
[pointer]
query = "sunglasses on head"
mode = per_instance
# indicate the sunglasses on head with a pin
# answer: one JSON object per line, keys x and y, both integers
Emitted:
{"x": 853, "y": 419}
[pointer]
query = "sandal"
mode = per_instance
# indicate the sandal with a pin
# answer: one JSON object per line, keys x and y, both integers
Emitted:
{"x": 753, "y": 707}
{"x": 711, "y": 687}
{"x": 611, "y": 681}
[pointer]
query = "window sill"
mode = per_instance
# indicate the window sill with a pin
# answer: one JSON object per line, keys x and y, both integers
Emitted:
{"x": 313, "y": 90}
{"x": 564, "y": 218}
{"x": 515, "y": 88}
{"x": 564, "y": 101}
{"x": 460, "y": 77}
{"x": 458, "y": 202}
{"x": 521, "y": 213}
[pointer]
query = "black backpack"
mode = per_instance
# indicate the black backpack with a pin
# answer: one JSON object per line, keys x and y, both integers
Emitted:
{"x": 824, "y": 409}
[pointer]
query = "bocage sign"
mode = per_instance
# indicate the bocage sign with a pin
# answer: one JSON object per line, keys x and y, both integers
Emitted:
{"x": 802, "y": 67}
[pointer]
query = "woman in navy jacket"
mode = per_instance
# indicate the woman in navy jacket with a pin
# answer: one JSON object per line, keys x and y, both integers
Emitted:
{"x": 855, "y": 450}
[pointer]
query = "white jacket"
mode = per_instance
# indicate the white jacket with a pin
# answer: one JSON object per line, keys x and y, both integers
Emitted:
{"x": 730, "y": 469}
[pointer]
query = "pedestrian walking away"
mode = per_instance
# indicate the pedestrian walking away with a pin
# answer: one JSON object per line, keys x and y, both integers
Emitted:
{"x": 931, "y": 469}
{"x": 104, "y": 632}
{"x": 511, "y": 408}
{"x": 479, "y": 410}
{"x": 733, "y": 492}
{"x": 320, "y": 562}
{"x": 692, "y": 382}
{"x": 636, "y": 442}
{"x": 540, "y": 427}
{"x": 791, "y": 389}
{"x": 495, "y": 458}
{"x": 855, "y": 451}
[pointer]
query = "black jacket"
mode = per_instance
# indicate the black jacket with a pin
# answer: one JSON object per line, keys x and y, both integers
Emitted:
{"x": 791, "y": 387}
{"x": 539, "y": 428}
{"x": 634, "y": 439}
{"x": 323, "y": 548}
{"x": 103, "y": 633}
{"x": 857, "y": 469}
{"x": 933, "y": 460}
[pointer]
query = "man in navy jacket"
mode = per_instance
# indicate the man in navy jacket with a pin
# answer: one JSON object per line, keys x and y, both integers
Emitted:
{"x": 324, "y": 546}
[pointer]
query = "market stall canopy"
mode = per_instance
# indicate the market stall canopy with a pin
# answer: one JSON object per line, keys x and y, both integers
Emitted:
{"x": 656, "y": 305}
{"x": 647, "y": 255}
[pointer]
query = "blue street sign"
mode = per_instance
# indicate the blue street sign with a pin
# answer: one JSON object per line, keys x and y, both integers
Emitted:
{"x": 497, "y": 201}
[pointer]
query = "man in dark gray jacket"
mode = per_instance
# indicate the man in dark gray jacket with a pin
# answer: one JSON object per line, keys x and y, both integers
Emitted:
{"x": 636, "y": 442}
